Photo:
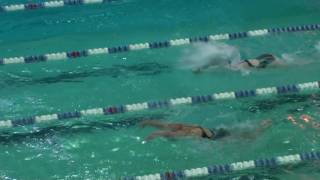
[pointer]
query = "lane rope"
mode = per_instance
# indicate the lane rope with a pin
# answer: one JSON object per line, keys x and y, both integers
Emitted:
{"x": 231, "y": 167}
{"x": 49, "y": 4}
{"x": 111, "y": 110}
{"x": 73, "y": 54}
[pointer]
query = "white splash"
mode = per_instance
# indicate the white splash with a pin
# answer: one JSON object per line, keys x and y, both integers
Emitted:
{"x": 215, "y": 54}
{"x": 294, "y": 58}
{"x": 115, "y": 149}
{"x": 288, "y": 58}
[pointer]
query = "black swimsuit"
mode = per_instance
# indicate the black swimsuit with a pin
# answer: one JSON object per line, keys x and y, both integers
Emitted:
{"x": 248, "y": 62}
{"x": 264, "y": 61}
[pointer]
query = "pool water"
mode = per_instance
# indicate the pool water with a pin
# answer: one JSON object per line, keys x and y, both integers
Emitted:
{"x": 113, "y": 146}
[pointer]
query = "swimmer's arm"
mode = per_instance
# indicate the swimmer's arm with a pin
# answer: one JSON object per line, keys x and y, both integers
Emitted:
{"x": 264, "y": 125}
{"x": 202, "y": 68}
{"x": 278, "y": 63}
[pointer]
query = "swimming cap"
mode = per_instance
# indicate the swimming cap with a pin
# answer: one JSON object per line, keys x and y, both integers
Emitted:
{"x": 219, "y": 133}
{"x": 265, "y": 60}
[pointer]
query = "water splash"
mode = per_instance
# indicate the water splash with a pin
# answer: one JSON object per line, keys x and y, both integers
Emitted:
{"x": 215, "y": 54}
{"x": 301, "y": 57}
{"x": 294, "y": 58}
{"x": 289, "y": 58}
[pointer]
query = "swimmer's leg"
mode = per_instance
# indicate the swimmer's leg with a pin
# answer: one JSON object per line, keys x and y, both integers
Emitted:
{"x": 264, "y": 56}
{"x": 202, "y": 68}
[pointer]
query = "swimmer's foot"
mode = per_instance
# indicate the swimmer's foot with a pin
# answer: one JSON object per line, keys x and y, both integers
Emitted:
{"x": 290, "y": 118}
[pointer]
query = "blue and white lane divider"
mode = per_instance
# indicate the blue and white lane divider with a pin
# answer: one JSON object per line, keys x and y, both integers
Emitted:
{"x": 154, "y": 45}
{"x": 49, "y": 4}
{"x": 232, "y": 167}
{"x": 295, "y": 88}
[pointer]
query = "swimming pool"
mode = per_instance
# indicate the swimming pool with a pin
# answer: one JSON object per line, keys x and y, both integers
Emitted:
{"x": 109, "y": 147}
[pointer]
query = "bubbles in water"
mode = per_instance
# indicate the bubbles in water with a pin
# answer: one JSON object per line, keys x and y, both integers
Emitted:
{"x": 213, "y": 54}
{"x": 294, "y": 58}
{"x": 115, "y": 149}
{"x": 286, "y": 142}
{"x": 300, "y": 57}
{"x": 32, "y": 157}
{"x": 288, "y": 58}
{"x": 244, "y": 125}
{"x": 74, "y": 144}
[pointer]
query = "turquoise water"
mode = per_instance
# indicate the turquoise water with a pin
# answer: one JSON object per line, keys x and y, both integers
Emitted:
{"x": 113, "y": 146}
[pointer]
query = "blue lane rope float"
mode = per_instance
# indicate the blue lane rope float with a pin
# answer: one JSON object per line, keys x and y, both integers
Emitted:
{"x": 49, "y": 4}
{"x": 232, "y": 167}
{"x": 153, "y": 45}
{"x": 295, "y": 88}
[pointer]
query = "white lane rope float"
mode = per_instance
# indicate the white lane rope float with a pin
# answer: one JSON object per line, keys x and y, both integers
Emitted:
{"x": 111, "y": 110}
{"x": 213, "y": 170}
{"x": 49, "y": 4}
{"x": 73, "y": 54}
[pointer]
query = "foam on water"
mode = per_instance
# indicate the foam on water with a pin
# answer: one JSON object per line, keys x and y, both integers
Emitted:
{"x": 295, "y": 58}
{"x": 299, "y": 57}
{"x": 216, "y": 54}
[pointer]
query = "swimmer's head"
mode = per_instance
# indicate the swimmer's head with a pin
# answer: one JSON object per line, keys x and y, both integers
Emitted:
{"x": 265, "y": 60}
{"x": 218, "y": 133}
{"x": 221, "y": 133}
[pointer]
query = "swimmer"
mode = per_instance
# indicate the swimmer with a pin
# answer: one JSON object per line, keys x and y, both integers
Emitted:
{"x": 176, "y": 130}
{"x": 303, "y": 121}
{"x": 260, "y": 62}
